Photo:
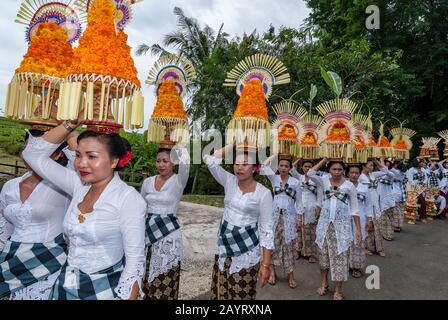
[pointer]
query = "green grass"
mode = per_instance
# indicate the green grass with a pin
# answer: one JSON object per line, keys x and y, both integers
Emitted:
{"x": 214, "y": 201}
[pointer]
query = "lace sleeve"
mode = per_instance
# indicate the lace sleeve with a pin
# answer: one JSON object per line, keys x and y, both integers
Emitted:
{"x": 266, "y": 228}
{"x": 132, "y": 225}
{"x": 37, "y": 155}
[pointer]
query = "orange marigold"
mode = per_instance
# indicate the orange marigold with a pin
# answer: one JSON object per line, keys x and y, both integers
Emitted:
{"x": 383, "y": 142}
{"x": 169, "y": 104}
{"x": 400, "y": 145}
{"x": 338, "y": 132}
{"x": 287, "y": 133}
{"x": 309, "y": 139}
{"x": 49, "y": 52}
{"x": 359, "y": 142}
{"x": 252, "y": 102}
{"x": 101, "y": 50}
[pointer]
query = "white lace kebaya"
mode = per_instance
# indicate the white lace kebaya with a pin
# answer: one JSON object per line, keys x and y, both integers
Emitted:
{"x": 243, "y": 210}
{"x": 37, "y": 220}
{"x": 311, "y": 197}
{"x": 115, "y": 228}
{"x": 371, "y": 181}
{"x": 292, "y": 206}
{"x": 169, "y": 251}
{"x": 338, "y": 208}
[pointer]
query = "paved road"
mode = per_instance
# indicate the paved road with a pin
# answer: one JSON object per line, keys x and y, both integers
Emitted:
{"x": 415, "y": 267}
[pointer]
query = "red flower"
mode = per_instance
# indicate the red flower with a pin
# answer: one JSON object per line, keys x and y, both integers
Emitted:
{"x": 125, "y": 160}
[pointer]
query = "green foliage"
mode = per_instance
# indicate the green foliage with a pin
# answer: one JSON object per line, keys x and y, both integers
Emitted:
{"x": 11, "y": 136}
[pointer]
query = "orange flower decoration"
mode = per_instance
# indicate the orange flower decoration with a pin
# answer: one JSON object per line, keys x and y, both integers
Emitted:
{"x": 359, "y": 142}
{"x": 401, "y": 145}
{"x": 309, "y": 139}
{"x": 169, "y": 104}
{"x": 384, "y": 142}
{"x": 338, "y": 132}
{"x": 252, "y": 102}
{"x": 49, "y": 52}
{"x": 287, "y": 133}
{"x": 100, "y": 49}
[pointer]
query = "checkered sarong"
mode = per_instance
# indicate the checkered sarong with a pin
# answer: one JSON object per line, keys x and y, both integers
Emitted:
{"x": 433, "y": 180}
{"x": 22, "y": 264}
{"x": 73, "y": 284}
{"x": 233, "y": 241}
{"x": 158, "y": 227}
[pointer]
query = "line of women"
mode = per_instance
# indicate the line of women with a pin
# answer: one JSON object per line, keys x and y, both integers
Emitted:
{"x": 79, "y": 232}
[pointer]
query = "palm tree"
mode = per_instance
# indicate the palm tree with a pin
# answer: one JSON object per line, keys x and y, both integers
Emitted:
{"x": 189, "y": 39}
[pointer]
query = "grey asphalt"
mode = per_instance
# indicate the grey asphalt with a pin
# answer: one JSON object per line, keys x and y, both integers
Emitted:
{"x": 415, "y": 267}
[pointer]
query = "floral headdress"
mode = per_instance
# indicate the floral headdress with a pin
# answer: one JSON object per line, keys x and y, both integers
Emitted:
{"x": 254, "y": 78}
{"x": 309, "y": 148}
{"x": 401, "y": 142}
{"x": 51, "y": 27}
{"x": 337, "y": 130}
{"x": 169, "y": 122}
{"x": 444, "y": 135}
{"x": 102, "y": 86}
{"x": 383, "y": 146}
{"x": 123, "y": 14}
{"x": 288, "y": 127}
{"x": 360, "y": 150}
{"x": 429, "y": 148}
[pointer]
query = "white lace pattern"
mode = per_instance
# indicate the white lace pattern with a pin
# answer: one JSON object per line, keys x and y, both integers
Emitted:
{"x": 166, "y": 254}
{"x": 37, "y": 291}
{"x": 244, "y": 261}
{"x": 124, "y": 288}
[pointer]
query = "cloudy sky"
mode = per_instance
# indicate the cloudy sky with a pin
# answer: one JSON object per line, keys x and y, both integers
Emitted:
{"x": 152, "y": 20}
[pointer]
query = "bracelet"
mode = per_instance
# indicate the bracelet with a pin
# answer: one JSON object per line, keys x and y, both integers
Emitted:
{"x": 265, "y": 265}
{"x": 67, "y": 126}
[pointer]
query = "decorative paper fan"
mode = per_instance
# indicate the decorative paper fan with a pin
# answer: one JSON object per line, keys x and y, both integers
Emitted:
{"x": 338, "y": 131}
{"x": 288, "y": 127}
{"x": 360, "y": 151}
{"x": 309, "y": 148}
{"x": 267, "y": 69}
{"x": 401, "y": 142}
{"x": 171, "y": 67}
{"x": 33, "y": 13}
{"x": 444, "y": 135}
{"x": 169, "y": 121}
{"x": 124, "y": 10}
{"x": 254, "y": 78}
{"x": 383, "y": 146}
{"x": 103, "y": 86}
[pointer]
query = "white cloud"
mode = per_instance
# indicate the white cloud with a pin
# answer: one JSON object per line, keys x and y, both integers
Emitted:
{"x": 152, "y": 20}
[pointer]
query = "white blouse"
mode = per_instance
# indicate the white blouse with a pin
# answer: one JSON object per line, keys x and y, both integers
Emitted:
{"x": 337, "y": 212}
{"x": 365, "y": 208}
{"x": 385, "y": 191}
{"x": 368, "y": 180}
{"x": 309, "y": 200}
{"x": 292, "y": 206}
{"x": 444, "y": 172}
{"x": 243, "y": 210}
{"x": 412, "y": 175}
{"x": 115, "y": 228}
{"x": 169, "y": 251}
{"x": 39, "y": 218}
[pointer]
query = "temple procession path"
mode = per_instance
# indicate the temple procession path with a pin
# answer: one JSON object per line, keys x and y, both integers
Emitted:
{"x": 415, "y": 266}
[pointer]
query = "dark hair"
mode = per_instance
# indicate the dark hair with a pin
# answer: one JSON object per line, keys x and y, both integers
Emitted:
{"x": 285, "y": 159}
{"x": 307, "y": 161}
{"x": 164, "y": 150}
{"x": 62, "y": 160}
{"x": 352, "y": 166}
{"x": 332, "y": 163}
{"x": 34, "y": 132}
{"x": 415, "y": 163}
{"x": 117, "y": 147}
{"x": 250, "y": 154}
{"x": 401, "y": 166}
